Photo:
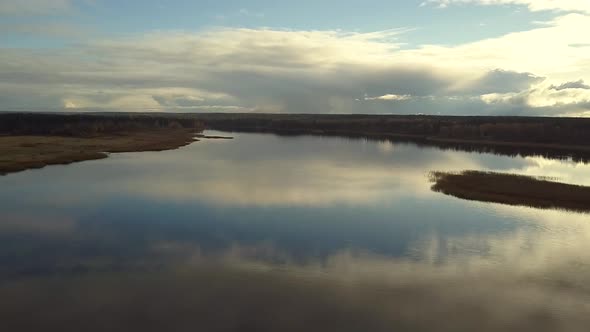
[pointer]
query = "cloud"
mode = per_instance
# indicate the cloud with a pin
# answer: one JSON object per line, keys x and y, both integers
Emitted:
{"x": 305, "y": 72}
{"x": 179, "y": 100}
{"x": 502, "y": 81}
{"x": 544, "y": 51}
{"x": 390, "y": 97}
{"x": 532, "y": 5}
{"x": 571, "y": 85}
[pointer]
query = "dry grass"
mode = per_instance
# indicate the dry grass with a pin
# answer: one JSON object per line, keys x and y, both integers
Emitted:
{"x": 513, "y": 190}
{"x": 18, "y": 153}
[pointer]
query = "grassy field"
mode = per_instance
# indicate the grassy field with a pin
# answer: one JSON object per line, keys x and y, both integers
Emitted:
{"x": 18, "y": 153}
{"x": 512, "y": 189}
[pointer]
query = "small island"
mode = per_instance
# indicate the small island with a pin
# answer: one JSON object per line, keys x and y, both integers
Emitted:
{"x": 512, "y": 189}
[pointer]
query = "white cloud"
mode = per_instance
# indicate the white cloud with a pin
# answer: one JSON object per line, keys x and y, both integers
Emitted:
{"x": 545, "y": 51}
{"x": 551, "y": 97}
{"x": 390, "y": 97}
{"x": 532, "y": 5}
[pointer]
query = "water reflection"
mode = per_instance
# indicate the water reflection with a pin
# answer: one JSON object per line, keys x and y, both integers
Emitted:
{"x": 304, "y": 172}
{"x": 347, "y": 292}
{"x": 266, "y": 233}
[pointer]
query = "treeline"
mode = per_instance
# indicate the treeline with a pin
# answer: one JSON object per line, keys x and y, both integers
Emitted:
{"x": 505, "y": 129}
{"x": 549, "y": 137}
{"x": 88, "y": 124}
{"x": 534, "y": 130}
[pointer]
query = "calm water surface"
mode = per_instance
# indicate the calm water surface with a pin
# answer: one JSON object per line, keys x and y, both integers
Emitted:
{"x": 311, "y": 207}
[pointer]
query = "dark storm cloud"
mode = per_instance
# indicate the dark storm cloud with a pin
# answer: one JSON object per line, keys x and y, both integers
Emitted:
{"x": 503, "y": 81}
{"x": 571, "y": 85}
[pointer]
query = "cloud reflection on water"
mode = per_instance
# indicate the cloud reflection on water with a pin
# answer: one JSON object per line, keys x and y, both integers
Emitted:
{"x": 234, "y": 291}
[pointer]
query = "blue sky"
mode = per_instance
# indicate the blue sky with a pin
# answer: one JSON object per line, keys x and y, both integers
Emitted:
{"x": 432, "y": 56}
{"x": 316, "y": 15}
{"x": 428, "y": 23}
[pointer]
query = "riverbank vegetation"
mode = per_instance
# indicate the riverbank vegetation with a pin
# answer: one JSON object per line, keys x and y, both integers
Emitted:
{"x": 512, "y": 189}
{"x": 36, "y": 140}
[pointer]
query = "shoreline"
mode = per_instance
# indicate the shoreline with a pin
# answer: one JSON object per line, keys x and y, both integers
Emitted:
{"x": 510, "y": 148}
{"x": 20, "y": 153}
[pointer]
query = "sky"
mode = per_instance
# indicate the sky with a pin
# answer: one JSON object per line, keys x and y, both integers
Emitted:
{"x": 456, "y": 57}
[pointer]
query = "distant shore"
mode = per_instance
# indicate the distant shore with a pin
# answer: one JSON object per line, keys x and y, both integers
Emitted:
{"x": 551, "y": 137}
{"x": 512, "y": 189}
{"x": 33, "y": 140}
{"x": 579, "y": 153}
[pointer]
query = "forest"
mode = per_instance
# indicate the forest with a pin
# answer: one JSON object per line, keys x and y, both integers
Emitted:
{"x": 540, "y": 130}
{"x": 88, "y": 125}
